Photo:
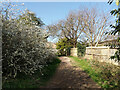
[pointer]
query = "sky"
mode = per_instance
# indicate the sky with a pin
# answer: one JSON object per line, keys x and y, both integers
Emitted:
{"x": 51, "y": 12}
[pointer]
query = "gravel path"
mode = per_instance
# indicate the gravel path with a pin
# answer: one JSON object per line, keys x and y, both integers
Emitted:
{"x": 69, "y": 76}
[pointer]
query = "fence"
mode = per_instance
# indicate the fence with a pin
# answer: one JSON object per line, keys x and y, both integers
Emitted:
{"x": 101, "y": 53}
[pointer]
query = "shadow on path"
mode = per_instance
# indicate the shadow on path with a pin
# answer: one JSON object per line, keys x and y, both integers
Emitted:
{"x": 68, "y": 76}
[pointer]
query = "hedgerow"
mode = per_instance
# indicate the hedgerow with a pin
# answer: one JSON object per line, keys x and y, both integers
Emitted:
{"x": 24, "y": 45}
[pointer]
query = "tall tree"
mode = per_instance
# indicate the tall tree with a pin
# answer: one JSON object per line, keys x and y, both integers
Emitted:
{"x": 88, "y": 24}
{"x": 95, "y": 25}
{"x": 69, "y": 28}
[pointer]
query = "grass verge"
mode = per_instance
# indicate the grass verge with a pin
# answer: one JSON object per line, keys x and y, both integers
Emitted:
{"x": 98, "y": 72}
{"x": 36, "y": 80}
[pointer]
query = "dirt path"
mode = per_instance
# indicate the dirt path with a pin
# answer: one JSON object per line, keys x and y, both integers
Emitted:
{"x": 69, "y": 76}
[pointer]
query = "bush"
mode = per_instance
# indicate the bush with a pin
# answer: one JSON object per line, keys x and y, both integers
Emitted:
{"x": 109, "y": 73}
{"x": 81, "y": 49}
{"x": 37, "y": 80}
{"x": 24, "y": 45}
{"x": 64, "y": 46}
{"x": 105, "y": 74}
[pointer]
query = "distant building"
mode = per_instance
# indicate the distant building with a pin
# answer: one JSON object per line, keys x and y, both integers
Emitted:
{"x": 112, "y": 43}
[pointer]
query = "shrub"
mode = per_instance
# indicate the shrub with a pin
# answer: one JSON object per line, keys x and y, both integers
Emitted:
{"x": 109, "y": 73}
{"x": 81, "y": 49}
{"x": 24, "y": 45}
{"x": 105, "y": 74}
{"x": 64, "y": 46}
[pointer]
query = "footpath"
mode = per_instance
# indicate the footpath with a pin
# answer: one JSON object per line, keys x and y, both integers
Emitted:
{"x": 69, "y": 76}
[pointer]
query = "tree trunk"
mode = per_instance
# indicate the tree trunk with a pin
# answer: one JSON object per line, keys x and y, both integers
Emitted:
{"x": 75, "y": 43}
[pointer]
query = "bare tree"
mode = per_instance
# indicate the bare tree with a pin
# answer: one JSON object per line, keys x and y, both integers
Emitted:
{"x": 95, "y": 25}
{"x": 69, "y": 28}
{"x": 88, "y": 24}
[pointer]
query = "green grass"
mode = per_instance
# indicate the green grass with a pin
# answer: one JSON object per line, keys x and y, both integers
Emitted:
{"x": 94, "y": 74}
{"x": 34, "y": 81}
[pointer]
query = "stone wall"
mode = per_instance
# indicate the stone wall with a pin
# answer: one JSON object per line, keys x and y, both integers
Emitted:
{"x": 73, "y": 52}
{"x": 101, "y": 53}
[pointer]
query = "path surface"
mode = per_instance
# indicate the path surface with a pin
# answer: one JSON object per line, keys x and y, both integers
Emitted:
{"x": 69, "y": 76}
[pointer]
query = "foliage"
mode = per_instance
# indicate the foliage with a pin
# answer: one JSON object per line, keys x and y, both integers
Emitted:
{"x": 64, "y": 46}
{"x": 105, "y": 74}
{"x": 81, "y": 48}
{"x": 109, "y": 72}
{"x": 31, "y": 17}
{"x": 116, "y": 30}
{"x": 24, "y": 44}
{"x": 115, "y": 12}
{"x": 36, "y": 80}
